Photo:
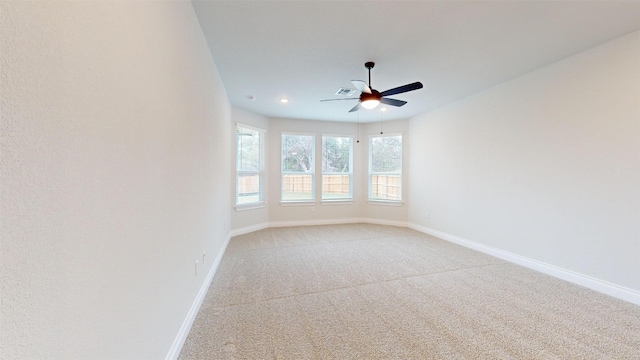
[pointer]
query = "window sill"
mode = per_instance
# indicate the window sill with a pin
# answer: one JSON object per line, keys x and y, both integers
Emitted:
{"x": 298, "y": 203}
{"x": 385, "y": 202}
{"x": 253, "y": 206}
{"x": 337, "y": 202}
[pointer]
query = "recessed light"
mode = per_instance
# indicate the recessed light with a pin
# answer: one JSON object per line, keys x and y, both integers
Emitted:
{"x": 284, "y": 101}
{"x": 251, "y": 98}
{"x": 383, "y": 109}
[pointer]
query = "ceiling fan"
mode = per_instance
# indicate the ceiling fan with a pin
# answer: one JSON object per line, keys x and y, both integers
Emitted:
{"x": 370, "y": 98}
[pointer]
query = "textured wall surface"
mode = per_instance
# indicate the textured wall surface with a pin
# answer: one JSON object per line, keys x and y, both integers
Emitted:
{"x": 546, "y": 166}
{"x": 115, "y": 154}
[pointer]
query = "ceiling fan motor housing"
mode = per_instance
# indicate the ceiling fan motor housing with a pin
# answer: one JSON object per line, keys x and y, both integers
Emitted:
{"x": 375, "y": 95}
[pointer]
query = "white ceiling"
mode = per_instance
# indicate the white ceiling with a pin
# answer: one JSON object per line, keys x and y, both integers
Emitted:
{"x": 306, "y": 50}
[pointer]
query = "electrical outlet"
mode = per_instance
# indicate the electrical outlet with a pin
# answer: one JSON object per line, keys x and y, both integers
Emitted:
{"x": 204, "y": 256}
{"x": 313, "y": 209}
{"x": 426, "y": 215}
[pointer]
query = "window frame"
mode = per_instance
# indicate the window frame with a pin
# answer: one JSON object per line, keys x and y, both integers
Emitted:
{"x": 371, "y": 173}
{"x": 349, "y": 198}
{"x": 312, "y": 164}
{"x": 260, "y": 172}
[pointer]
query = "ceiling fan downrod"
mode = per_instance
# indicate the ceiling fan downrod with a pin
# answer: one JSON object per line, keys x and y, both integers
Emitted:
{"x": 369, "y": 65}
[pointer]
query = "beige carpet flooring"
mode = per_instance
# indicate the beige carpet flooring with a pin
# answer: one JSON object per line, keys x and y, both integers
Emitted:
{"x": 364, "y": 291}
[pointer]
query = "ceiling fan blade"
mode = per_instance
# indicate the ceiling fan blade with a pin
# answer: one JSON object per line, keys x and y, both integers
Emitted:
{"x": 355, "y": 108}
{"x": 402, "y": 89}
{"x": 340, "y": 99}
{"x": 361, "y": 86}
{"x": 392, "y": 102}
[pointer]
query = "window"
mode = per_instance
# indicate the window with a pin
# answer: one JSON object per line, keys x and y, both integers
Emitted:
{"x": 249, "y": 166}
{"x": 337, "y": 164}
{"x": 385, "y": 168}
{"x": 298, "y": 163}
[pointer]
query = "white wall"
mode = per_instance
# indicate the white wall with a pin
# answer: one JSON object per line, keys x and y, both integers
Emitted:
{"x": 251, "y": 217}
{"x": 546, "y": 166}
{"x": 115, "y": 156}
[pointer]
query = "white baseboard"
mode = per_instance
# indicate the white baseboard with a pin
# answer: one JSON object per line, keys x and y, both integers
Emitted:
{"x": 273, "y": 224}
{"x": 176, "y": 347}
{"x": 248, "y": 229}
{"x": 598, "y": 285}
{"x": 314, "y": 222}
{"x": 385, "y": 222}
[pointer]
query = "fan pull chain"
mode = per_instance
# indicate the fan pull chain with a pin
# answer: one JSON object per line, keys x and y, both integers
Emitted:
{"x": 358, "y": 139}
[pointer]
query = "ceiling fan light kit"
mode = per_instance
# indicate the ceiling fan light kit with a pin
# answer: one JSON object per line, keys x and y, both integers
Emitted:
{"x": 371, "y": 98}
{"x": 370, "y": 104}
{"x": 369, "y": 101}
